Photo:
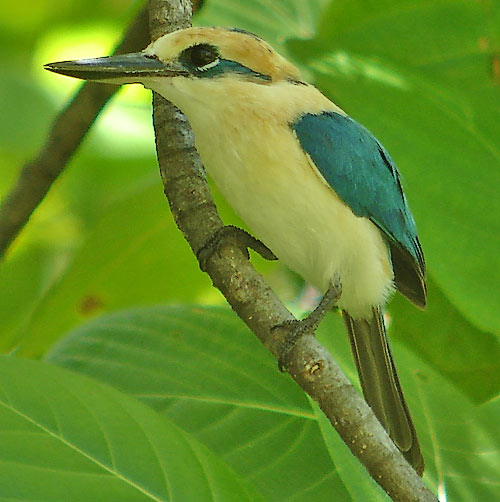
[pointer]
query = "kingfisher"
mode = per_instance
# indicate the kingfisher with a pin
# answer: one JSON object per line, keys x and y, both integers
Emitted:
{"x": 313, "y": 185}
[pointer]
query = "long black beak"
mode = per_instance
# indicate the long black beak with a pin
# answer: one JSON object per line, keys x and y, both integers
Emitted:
{"x": 123, "y": 68}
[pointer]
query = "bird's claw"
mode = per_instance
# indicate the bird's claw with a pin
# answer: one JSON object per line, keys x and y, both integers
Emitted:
{"x": 239, "y": 237}
{"x": 296, "y": 329}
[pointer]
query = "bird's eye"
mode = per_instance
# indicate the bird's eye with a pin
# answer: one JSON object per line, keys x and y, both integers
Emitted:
{"x": 202, "y": 56}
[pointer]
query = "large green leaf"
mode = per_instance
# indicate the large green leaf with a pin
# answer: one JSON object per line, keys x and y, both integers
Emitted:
{"x": 421, "y": 75}
{"x": 67, "y": 437}
{"x": 204, "y": 370}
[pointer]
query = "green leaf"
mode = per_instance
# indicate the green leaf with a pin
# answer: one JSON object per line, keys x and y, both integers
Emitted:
{"x": 204, "y": 370}
{"x": 274, "y": 21}
{"x": 426, "y": 88}
{"x": 442, "y": 337}
{"x": 67, "y": 437}
{"x": 135, "y": 255}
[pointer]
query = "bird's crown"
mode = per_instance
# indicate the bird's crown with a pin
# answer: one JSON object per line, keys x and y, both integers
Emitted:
{"x": 213, "y": 52}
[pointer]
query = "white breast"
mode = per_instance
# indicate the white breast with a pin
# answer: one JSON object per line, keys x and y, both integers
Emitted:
{"x": 259, "y": 166}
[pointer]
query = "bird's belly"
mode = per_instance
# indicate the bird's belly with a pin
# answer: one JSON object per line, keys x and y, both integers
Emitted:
{"x": 288, "y": 205}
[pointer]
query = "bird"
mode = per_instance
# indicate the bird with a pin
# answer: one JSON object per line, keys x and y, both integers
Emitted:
{"x": 311, "y": 183}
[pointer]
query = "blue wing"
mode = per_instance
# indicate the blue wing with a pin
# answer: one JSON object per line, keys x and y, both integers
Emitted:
{"x": 364, "y": 176}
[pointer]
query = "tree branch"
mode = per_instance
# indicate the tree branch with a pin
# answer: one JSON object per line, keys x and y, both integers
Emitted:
{"x": 311, "y": 366}
{"x": 68, "y": 131}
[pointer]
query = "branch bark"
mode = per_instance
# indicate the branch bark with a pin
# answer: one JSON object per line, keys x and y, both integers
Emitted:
{"x": 68, "y": 130}
{"x": 311, "y": 365}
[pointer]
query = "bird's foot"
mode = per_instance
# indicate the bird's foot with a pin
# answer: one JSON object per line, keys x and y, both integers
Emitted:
{"x": 296, "y": 329}
{"x": 237, "y": 236}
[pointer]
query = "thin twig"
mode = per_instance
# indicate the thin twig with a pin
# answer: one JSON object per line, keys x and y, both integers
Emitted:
{"x": 311, "y": 366}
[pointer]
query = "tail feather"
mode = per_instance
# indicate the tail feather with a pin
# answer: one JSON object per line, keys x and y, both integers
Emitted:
{"x": 380, "y": 383}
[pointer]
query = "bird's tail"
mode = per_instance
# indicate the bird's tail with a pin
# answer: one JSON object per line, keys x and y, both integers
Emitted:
{"x": 380, "y": 383}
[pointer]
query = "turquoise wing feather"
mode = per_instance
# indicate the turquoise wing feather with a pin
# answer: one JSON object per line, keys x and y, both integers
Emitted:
{"x": 361, "y": 172}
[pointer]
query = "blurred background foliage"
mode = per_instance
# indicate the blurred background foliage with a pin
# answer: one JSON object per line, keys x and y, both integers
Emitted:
{"x": 423, "y": 76}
